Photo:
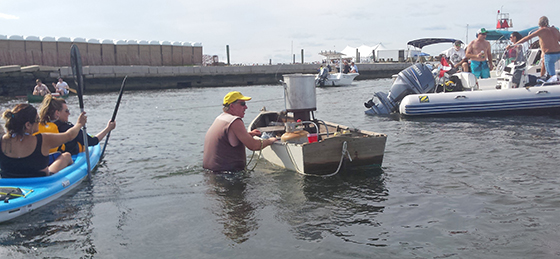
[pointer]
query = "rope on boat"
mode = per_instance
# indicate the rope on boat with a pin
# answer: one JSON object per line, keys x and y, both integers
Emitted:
{"x": 256, "y": 161}
{"x": 344, "y": 152}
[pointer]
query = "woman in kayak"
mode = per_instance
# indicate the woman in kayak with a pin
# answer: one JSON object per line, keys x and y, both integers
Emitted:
{"x": 26, "y": 155}
{"x": 54, "y": 118}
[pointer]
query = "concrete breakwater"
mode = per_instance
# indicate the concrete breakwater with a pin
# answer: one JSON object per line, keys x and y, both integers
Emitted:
{"x": 17, "y": 80}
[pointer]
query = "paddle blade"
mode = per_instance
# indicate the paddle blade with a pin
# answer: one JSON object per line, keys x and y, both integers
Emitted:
{"x": 73, "y": 90}
{"x": 76, "y": 63}
{"x": 119, "y": 99}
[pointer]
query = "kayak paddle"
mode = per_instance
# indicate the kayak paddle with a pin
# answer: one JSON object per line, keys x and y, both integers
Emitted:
{"x": 114, "y": 114}
{"x": 76, "y": 62}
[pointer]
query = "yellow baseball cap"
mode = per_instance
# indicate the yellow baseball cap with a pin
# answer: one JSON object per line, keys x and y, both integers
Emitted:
{"x": 234, "y": 96}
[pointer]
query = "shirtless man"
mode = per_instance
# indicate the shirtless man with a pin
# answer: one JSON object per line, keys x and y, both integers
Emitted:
{"x": 548, "y": 40}
{"x": 480, "y": 54}
{"x": 40, "y": 89}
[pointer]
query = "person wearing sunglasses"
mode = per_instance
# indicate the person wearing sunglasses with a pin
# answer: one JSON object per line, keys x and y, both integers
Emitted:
{"x": 480, "y": 54}
{"x": 54, "y": 115}
{"x": 24, "y": 154}
{"x": 456, "y": 55}
{"x": 516, "y": 53}
{"x": 226, "y": 139}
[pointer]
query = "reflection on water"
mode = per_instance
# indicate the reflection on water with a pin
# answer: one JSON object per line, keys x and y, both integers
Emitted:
{"x": 233, "y": 210}
{"x": 465, "y": 187}
{"x": 315, "y": 207}
{"x": 337, "y": 206}
{"x": 61, "y": 225}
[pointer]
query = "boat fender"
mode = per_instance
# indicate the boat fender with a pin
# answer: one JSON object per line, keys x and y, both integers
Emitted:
{"x": 298, "y": 136}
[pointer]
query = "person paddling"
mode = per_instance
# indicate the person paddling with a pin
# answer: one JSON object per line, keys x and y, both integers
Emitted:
{"x": 26, "y": 155}
{"x": 54, "y": 118}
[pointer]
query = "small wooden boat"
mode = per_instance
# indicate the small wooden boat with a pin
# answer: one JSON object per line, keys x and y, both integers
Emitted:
{"x": 23, "y": 195}
{"x": 335, "y": 145}
{"x": 39, "y": 98}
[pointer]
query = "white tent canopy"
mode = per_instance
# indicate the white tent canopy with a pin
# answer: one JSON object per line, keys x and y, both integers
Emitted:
{"x": 364, "y": 50}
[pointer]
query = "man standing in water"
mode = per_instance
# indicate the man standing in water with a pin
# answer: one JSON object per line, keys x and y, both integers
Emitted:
{"x": 226, "y": 139}
{"x": 480, "y": 54}
{"x": 548, "y": 40}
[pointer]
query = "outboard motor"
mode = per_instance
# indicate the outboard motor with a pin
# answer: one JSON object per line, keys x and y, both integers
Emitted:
{"x": 416, "y": 79}
{"x": 322, "y": 77}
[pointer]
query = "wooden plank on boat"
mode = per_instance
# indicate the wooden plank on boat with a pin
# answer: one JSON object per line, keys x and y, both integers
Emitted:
{"x": 364, "y": 151}
{"x": 271, "y": 128}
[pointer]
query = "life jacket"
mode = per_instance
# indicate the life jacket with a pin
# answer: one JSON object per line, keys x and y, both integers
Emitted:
{"x": 49, "y": 127}
{"x": 72, "y": 147}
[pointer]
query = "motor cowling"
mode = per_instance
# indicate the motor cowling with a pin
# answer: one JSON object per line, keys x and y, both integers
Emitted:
{"x": 416, "y": 79}
{"x": 322, "y": 77}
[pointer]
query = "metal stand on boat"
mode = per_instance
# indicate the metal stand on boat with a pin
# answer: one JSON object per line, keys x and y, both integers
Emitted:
{"x": 300, "y": 98}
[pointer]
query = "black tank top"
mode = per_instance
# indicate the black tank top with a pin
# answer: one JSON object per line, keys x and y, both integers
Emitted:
{"x": 29, "y": 166}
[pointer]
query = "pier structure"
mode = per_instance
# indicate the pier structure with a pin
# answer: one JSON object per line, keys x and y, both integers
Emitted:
{"x": 18, "y": 80}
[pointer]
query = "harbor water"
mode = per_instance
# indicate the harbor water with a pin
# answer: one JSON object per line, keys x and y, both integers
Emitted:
{"x": 459, "y": 187}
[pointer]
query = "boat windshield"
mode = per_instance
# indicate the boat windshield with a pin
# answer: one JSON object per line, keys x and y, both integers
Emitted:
{"x": 515, "y": 54}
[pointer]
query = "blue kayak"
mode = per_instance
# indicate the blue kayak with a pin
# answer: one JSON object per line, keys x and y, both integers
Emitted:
{"x": 32, "y": 193}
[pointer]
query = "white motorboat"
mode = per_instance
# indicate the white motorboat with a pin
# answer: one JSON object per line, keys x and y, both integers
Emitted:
{"x": 329, "y": 78}
{"x": 310, "y": 146}
{"x": 414, "y": 93}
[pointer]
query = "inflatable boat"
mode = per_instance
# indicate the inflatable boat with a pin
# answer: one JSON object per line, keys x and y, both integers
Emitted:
{"x": 415, "y": 93}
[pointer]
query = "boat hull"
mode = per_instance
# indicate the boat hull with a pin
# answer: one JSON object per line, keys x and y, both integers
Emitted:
{"x": 39, "y": 191}
{"x": 543, "y": 98}
{"x": 325, "y": 157}
{"x": 338, "y": 148}
{"x": 340, "y": 79}
{"x": 39, "y": 98}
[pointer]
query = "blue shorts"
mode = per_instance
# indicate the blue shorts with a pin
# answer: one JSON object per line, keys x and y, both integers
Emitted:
{"x": 549, "y": 62}
{"x": 480, "y": 69}
{"x": 53, "y": 156}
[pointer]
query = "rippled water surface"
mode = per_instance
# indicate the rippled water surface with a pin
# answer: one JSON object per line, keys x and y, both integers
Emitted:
{"x": 461, "y": 187}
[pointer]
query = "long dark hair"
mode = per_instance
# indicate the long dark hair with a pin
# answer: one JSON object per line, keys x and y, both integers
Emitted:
{"x": 18, "y": 116}
{"x": 517, "y": 36}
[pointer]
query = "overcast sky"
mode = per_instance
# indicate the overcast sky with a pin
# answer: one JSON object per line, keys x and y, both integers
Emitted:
{"x": 259, "y": 31}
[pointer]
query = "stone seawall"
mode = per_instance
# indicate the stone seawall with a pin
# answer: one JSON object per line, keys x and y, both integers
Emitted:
{"x": 16, "y": 80}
